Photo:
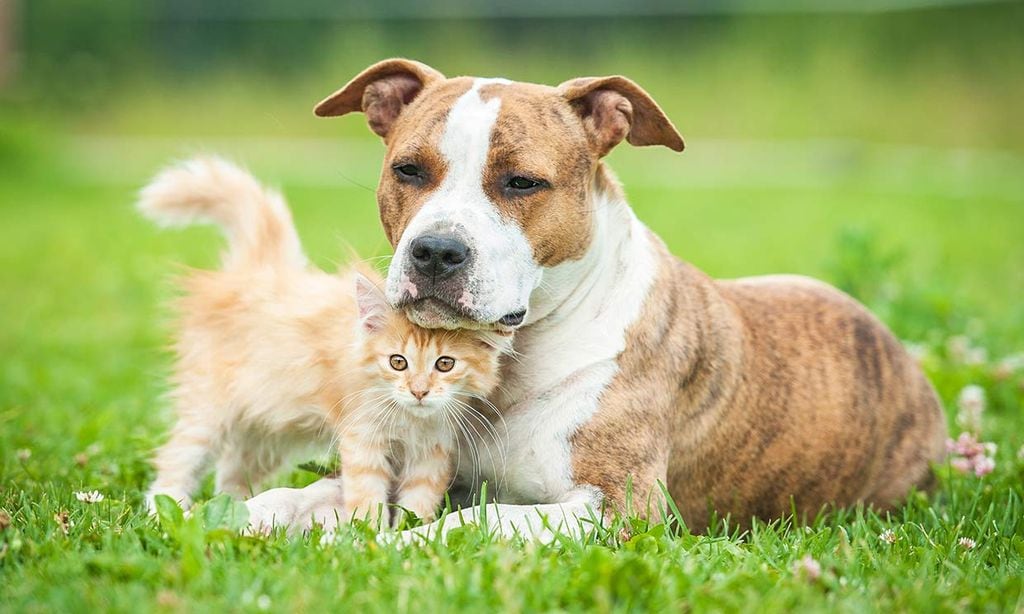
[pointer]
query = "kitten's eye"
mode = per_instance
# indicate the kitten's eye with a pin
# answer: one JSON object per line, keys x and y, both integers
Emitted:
{"x": 445, "y": 364}
{"x": 398, "y": 362}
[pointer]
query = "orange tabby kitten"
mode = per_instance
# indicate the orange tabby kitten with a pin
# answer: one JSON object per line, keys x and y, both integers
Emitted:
{"x": 274, "y": 355}
{"x": 422, "y": 377}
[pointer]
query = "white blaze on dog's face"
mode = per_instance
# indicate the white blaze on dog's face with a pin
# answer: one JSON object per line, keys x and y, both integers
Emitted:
{"x": 499, "y": 272}
{"x": 487, "y": 183}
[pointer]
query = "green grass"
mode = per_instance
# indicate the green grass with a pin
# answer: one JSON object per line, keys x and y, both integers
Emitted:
{"x": 83, "y": 284}
{"x": 879, "y": 153}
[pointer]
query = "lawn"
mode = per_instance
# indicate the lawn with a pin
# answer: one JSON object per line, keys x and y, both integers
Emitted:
{"x": 85, "y": 279}
{"x": 906, "y": 190}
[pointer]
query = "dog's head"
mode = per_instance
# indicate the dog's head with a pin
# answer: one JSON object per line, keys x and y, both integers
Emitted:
{"x": 487, "y": 182}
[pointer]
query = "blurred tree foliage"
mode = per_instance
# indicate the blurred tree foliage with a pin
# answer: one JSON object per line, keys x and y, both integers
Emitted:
{"x": 946, "y": 76}
{"x": 73, "y": 48}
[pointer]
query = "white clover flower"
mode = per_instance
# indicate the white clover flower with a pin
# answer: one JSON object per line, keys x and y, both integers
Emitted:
{"x": 807, "y": 567}
{"x": 968, "y": 455}
{"x": 918, "y": 351}
{"x": 1008, "y": 366}
{"x": 92, "y": 496}
{"x": 957, "y": 347}
{"x": 960, "y": 350}
{"x": 971, "y": 405}
{"x": 23, "y": 454}
{"x": 1020, "y": 453}
{"x": 966, "y": 543}
{"x": 976, "y": 356}
{"x": 984, "y": 465}
{"x": 888, "y": 536}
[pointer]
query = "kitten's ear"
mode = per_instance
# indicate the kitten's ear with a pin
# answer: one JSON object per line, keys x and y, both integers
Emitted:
{"x": 373, "y": 305}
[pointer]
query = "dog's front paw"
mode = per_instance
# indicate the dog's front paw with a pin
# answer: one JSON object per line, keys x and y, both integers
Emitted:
{"x": 297, "y": 509}
{"x": 274, "y": 508}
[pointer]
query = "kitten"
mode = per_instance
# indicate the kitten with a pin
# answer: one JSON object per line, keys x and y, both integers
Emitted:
{"x": 405, "y": 422}
{"x": 275, "y": 356}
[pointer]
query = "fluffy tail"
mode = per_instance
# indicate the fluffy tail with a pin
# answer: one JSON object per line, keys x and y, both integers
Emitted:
{"x": 211, "y": 190}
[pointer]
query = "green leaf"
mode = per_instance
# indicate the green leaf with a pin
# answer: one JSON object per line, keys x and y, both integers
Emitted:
{"x": 169, "y": 513}
{"x": 321, "y": 469}
{"x": 223, "y": 512}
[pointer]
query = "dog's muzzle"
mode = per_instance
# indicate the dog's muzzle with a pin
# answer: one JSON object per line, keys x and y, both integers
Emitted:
{"x": 435, "y": 258}
{"x": 438, "y": 289}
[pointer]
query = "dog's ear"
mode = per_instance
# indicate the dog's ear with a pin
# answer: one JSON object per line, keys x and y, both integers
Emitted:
{"x": 615, "y": 108}
{"x": 381, "y": 91}
{"x": 373, "y": 306}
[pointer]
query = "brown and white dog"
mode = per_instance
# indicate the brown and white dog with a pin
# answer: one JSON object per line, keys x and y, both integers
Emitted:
{"x": 747, "y": 397}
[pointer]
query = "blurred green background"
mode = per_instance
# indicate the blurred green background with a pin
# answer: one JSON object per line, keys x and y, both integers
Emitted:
{"x": 877, "y": 144}
{"x": 874, "y": 144}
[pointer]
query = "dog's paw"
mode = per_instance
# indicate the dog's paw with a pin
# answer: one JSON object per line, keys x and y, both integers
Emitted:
{"x": 297, "y": 509}
{"x": 270, "y": 509}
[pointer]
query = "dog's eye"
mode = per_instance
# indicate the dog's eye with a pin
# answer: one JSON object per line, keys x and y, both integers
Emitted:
{"x": 523, "y": 183}
{"x": 398, "y": 362}
{"x": 445, "y": 364}
{"x": 408, "y": 170}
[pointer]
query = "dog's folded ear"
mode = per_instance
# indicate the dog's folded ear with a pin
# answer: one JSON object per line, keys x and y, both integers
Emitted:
{"x": 615, "y": 108}
{"x": 381, "y": 91}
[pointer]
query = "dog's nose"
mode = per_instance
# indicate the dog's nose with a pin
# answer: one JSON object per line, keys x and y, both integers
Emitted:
{"x": 438, "y": 257}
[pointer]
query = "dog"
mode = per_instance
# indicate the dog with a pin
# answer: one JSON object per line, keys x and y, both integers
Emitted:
{"x": 636, "y": 374}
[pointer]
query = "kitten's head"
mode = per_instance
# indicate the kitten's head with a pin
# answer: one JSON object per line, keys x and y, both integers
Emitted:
{"x": 424, "y": 370}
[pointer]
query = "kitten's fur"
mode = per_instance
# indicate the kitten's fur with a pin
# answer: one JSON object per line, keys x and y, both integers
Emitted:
{"x": 274, "y": 355}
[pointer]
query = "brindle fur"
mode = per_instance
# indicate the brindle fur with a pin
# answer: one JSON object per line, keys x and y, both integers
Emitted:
{"x": 754, "y": 396}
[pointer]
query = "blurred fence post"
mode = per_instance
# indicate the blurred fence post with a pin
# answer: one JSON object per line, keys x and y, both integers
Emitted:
{"x": 8, "y": 41}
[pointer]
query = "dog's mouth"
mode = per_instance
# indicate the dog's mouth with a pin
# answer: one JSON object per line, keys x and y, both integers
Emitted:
{"x": 435, "y": 313}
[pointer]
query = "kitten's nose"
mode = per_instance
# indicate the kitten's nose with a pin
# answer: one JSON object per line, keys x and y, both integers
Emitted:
{"x": 419, "y": 394}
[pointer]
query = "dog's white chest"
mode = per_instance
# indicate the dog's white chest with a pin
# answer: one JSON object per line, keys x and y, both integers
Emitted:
{"x": 562, "y": 368}
{"x": 530, "y": 460}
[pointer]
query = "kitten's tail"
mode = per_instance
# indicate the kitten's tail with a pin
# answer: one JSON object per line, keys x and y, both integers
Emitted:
{"x": 255, "y": 220}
